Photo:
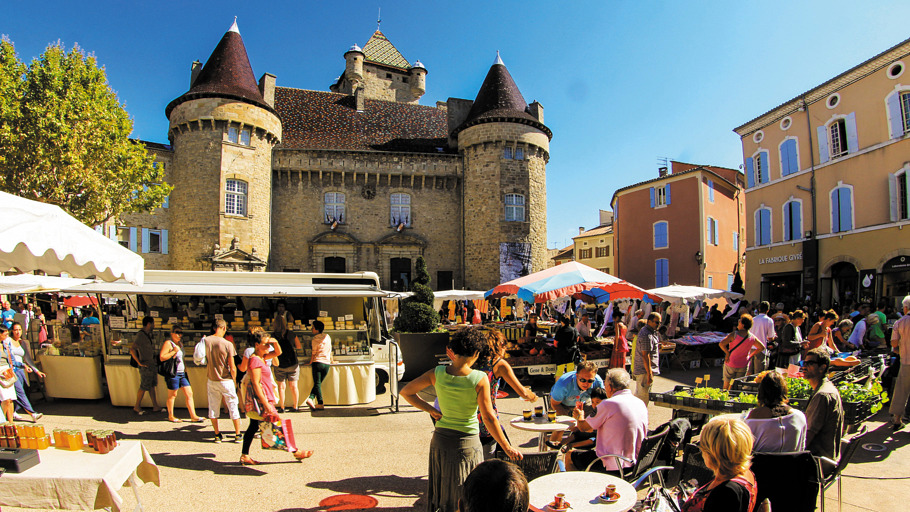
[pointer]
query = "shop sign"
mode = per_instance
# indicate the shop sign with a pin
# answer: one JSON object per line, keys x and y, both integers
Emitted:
{"x": 899, "y": 264}
{"x": 781, "y": 259}
{"x": 117, "y": 322}
{"x": 867, "y": 285}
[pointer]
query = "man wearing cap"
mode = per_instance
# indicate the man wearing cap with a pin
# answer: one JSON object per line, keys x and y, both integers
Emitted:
{"x": 900, "y": 341}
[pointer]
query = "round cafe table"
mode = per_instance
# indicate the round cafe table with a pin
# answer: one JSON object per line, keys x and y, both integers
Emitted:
{"x": 581, "y": 490}
{"x": 543, "y": 426}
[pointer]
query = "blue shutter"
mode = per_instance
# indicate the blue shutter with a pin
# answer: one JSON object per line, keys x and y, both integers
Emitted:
{"x": 667, "y": 188}
{"x": 112, "y": 232}
{"x": 797, "y": 212}
{"x": 765, "y": 167}
{"x": 766, "y": 226}
{"x": 652, "y": 197}
{"x": 822, "y": 144}
{"x": 716, "y": 233}
{"x": 784, "y": 158}
{"x": 133, "y": 240}
{"x": 835, "y": 210}
{"x": 145, "y": 240}
{"x": 852, "y": 140}
{"x": 750, "y": 173}
{"x": 167, "y": 200}
{"x": 895, "y": 116}
{"x": 787, "y": 210}
{"x": 846, "y": 214}
{"x": 793, "y": 156}
{"x": 163, "y": 241}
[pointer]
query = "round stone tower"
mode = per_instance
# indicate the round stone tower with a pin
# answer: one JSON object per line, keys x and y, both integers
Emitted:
{"x": 506, "y": 148}
{"x": 353, "y": 68}
{"x": 222, "y": 131}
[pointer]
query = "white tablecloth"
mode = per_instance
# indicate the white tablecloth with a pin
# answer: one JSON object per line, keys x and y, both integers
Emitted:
{"x": 80, "y": 480}
{"x": 581, "y": 490}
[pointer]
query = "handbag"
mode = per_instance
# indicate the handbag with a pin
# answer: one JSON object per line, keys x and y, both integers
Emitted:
{"x": 168, "y": 369}
{"x": 277, "y": 435}
{"x": 7, "y": 374}
{"x": 252, "y": 404}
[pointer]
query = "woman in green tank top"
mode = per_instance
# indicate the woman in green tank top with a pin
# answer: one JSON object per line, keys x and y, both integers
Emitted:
{"x": 455, "y": 449}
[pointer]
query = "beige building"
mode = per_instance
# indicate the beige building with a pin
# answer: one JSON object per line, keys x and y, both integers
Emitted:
{"x": 270, "y": 177}
{"x": 827, "y": 180}
{"x": 595, "y": 247}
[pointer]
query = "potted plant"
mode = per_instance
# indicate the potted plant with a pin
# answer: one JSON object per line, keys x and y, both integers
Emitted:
{"x": 417, "y": 331}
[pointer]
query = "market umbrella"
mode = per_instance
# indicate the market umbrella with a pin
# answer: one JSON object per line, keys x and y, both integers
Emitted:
{"x": 78, "y": 301}
{"x": 678, "y": 293}
{"x": 41, "y": 236}
{"x": 570, "y": 279}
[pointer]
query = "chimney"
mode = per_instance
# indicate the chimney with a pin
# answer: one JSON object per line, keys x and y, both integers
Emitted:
{"x": 359, "y": 99}
{"x": 662, "y": 171}
{"x": 267, "y": 88}
{"x": 195, "y": 69}
{"x": 581, "y": 229}
{"x": 536, "y": 110}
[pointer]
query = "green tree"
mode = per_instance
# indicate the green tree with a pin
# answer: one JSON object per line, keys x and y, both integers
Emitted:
{"x": 64, "y": 138}
{"x": 417, "y": 312}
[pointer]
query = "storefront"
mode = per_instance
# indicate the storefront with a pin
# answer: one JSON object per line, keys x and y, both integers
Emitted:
{"x": 895, "y": 281}
{"x": 348, "y": 305}
{"x": 780, "y": 276}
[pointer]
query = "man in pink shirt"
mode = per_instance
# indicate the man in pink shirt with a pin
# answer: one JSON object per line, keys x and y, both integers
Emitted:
{"x": 900, "y": 340}
{"x": 621, "y": 422}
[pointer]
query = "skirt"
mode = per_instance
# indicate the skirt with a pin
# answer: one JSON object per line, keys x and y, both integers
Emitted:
{"x": 453, "y": 455}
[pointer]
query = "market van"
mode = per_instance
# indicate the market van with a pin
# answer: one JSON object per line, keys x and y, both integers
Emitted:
{"x": 349, "y": 306}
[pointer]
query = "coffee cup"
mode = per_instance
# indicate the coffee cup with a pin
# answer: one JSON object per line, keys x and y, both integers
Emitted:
{"x": 538, "y": 411}
{"x": 551, "y": 415}
{"x": 527, "y": 414}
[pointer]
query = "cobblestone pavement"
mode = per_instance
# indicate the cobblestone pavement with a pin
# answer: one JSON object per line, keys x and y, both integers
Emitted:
{"x": 370, "y": 456}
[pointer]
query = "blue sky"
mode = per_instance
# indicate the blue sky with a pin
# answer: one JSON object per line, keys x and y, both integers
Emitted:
{"x": 623, "y": 83}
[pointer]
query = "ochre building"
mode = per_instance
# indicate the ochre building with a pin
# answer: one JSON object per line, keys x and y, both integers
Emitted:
{"x": 361, "y": 177}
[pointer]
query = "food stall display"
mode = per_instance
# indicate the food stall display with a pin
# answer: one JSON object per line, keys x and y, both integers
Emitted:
{"x": 347, "y": 304}
{"x": 72, "y": 363}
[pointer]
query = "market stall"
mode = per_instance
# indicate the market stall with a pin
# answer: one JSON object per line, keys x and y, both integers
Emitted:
{"x": 348, "y": 305}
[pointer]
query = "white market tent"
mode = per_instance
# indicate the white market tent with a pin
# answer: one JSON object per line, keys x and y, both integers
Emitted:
{"x": 443, "y": 296}
{"x": 41, "y": 236}
{"x": 29, "y": 283}
{"x": 678, "y": 293}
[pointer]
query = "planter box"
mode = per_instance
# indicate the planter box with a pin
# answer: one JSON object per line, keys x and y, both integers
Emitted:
{"x": 857, "y": 412}
{"x": 422, "y": 351}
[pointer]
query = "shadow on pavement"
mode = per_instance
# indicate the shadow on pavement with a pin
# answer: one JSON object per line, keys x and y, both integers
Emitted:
{"x": 390, "y": 486}
{"x": 882, "y": 436}
{"x": 207, "y": 462}
{"x": 345, "y": 412}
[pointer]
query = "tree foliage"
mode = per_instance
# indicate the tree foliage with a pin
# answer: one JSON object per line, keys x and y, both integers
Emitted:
{"x": 417, "y": 312}
{"x": 64, "y": 138}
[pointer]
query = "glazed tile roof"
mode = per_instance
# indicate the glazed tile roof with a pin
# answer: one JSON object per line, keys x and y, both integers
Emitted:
{"x": 327, "y": 120}
{"x": 500, "y": 100}
{"x": 226, "y": 74}
{"x": 381, "y": 51}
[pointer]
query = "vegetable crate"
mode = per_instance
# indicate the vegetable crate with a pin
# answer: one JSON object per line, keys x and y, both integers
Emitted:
{"x": 716, "y": 400}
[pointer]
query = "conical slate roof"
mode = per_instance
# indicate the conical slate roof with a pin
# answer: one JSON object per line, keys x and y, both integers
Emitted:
{"x": 500, "y": 100}
{"x": 381, "y": 51}
{"x": 226, "y": 74}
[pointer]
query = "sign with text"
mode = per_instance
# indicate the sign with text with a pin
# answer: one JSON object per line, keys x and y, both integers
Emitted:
{"x": 781, "y": 259}
{"x": 118, "y": 322}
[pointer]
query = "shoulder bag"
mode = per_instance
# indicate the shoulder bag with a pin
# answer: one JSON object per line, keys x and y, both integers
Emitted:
{"x": 7, "y": 374}
{"x": 168, "y": 368}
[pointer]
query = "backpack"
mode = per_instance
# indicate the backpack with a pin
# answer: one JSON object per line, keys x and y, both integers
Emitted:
{"x": 679, "y": 436}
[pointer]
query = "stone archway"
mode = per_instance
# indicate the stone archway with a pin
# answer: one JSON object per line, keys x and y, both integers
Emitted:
{"x": 331, "y": 245}
{"x": 399, "y": 247}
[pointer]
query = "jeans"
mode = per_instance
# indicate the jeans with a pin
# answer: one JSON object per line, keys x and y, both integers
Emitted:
{"x": 21, "y": 395}
{"x": 320, "y": 370}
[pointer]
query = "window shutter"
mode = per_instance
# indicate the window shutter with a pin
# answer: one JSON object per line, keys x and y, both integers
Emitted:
{"x": 765, "y": 167}
{"x": 652, "y": 197}
{"x": 163, "y": 241}
{"x": 895, "y": 117}
{"x": 852, "y": 139}
{"x": 667, "y": 188}
{"x": 112, "y": 232}
{"x": 787, "y": 211}
{"x": 822, "y": 144}
{"x": 133, "y": 240}
{"x": 710, "y": 191}
{"x": 796, "y": 210}
{"x": 835, "y": 210}
{"x": 785, "y": 158}
{"x": 894, "y": 196}
{"x": 792, "y": 154}
{"x": 145, "y": 240}
{"x": 750, "y": 173}
{"x": 766, "y": 226}
{"x": 166, "y": 202}
{"x": 716, "y": 233}
{"x": 846, "y": 217}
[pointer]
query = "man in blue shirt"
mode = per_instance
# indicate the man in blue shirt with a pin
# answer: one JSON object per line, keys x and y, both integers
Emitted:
{"x": 7, "y": 315}
{"x": 573, "y": 387}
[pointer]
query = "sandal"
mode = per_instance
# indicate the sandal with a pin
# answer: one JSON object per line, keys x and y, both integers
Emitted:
{"x": 175, "y": 420}
{"x": 246, "y": 460}
{"x": 300, "y": 454}
{"x": 197, "y": 420}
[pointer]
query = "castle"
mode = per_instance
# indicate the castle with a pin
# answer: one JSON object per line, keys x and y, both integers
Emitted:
{"x": 359, "y": 178}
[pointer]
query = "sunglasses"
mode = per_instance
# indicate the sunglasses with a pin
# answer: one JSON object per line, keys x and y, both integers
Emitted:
{"x": 585, "y": 381}
{"x": 813, "y": 362}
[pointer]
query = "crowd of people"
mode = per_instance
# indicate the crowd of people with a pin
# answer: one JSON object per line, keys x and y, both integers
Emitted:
{"x": 16, "y": 362}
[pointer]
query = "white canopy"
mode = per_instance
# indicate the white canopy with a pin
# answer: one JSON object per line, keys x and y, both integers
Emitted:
{"x": 442, "y": 296}
{"x": 30, "y": 283}
{"x": 679, "y": 293}
{"x": 41, "y": 236}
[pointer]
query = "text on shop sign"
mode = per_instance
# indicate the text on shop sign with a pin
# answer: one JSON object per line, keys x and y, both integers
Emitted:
{"x": 781, "y": 259}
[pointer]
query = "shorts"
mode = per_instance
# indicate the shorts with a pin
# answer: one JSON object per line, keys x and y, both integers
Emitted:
{"x": 218, "y": 389}
{"x": 291, "y": 373}
{"x": 180, "y": 381}
{"x": 148, "y": 377}
{"x": 731, "y": 373}
{"x": 641, "y": 391}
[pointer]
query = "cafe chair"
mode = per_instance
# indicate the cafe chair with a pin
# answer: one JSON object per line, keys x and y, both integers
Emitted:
{"x": 647, "y": 455}
{"x": 646, "y": 476}
{"x": 693, "y": 466}
{"x": 787, "y": 480}
{"x": 536, "y": 464}
{"x": 847, "y": 450}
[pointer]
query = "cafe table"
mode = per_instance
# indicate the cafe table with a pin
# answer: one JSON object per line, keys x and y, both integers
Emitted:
{"x": 81, "y": 479}
{"x": 581, "y": 490}
{"x": 543, "y": 426}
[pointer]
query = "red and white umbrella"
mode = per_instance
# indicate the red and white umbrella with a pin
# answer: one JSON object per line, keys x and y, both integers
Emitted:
{"x": 570, "y": 279}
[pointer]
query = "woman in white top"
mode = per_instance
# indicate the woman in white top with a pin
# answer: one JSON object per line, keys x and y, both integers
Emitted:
{"x": 174, "y": 348}
{"x": 7, "y": 394}
{"x": 777, "y": 427}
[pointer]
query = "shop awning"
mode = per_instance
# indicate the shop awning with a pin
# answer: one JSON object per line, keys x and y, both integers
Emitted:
{"x": 678, "y": 293}
{"x": 30, "y": 283}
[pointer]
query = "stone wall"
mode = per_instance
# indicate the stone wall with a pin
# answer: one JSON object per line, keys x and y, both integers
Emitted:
{"x": 159, "y": 218}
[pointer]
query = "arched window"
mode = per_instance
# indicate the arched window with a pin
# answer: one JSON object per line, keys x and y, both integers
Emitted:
{"x": 837, "y": 138}
{"x": 334, "y": 207}
{"x": 793, "y": 220}
{"x": 898, "y": 103}
{"x": 661, "y": 272}
{"x": 515, "y": 207}
{"x": 762, "y": 226}
{"x": 661, "y": 237}
{"x": 758, "y": 169}
{"x": 401, "y": 210}
{"x": 235, "y": 197}
{"x": 789, "y": 157}
{"x": 842, "y": 209}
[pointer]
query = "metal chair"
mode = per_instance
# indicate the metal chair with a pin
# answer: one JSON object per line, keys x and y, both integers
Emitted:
{"x": 787, "y": 480}
{"x": 847, "y": 449}
{"x": 647, "y": 454}
{"x": 536, "y": 464}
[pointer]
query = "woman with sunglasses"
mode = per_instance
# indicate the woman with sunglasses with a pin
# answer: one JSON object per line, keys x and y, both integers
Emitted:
{"x": 169, "y": 349}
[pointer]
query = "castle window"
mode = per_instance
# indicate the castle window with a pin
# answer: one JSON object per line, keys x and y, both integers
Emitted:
{"x": 235, "y": 197}
{"x": 233, "y": 135}
{"x": 515, "y": 207}
{"x": 245, "y": 137}
{"x": 507, "y": 153}
{"x": 519, "y": 154}
{"x": 401, "y": 210}
{"x": 388, "y": 75}
{"x": 404, "y": 80}
{"x": 334, "y": 207}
